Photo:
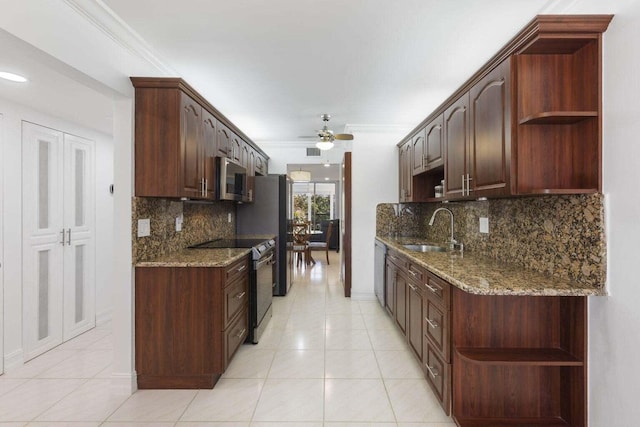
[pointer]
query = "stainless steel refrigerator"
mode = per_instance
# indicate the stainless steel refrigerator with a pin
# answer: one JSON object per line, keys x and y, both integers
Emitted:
{"x": 271, "y": 213}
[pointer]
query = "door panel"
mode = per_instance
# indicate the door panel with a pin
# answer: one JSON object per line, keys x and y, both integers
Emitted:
{"x": 190, "y": 129}
{"x": 491, "y": 133}
{"x": 456, "y": 124}
{"x": 79, "y": 256}
{"x": 43, "y": 239}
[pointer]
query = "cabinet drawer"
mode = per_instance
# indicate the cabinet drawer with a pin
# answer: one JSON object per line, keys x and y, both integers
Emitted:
{"x": 416, "y": 272}
{"x": 235, "y": 335}
{"x": 438, "y": 291}
{"x": 237, "y": 269}
{"x": 236, "y": 298}
{"x": 438, "y": 374}
{"x": 436, "y": 328}
{"x": 397, "y": 259}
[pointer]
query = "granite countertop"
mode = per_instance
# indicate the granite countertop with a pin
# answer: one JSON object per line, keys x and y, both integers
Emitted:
{"x": 197, "y": 258}
{"x": 219, "y": 257}
{"x": 482, "y": 276}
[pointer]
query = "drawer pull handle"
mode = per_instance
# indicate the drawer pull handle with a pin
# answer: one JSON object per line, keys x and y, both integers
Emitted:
{"x": 240, "y": 295}
{"x": 413, "y": 273}
{"x": 431, "y": 323}
{"x": 242, "y": 268}
{"x": 432, "y": 288}
{"x": 392, "y": 257}
{"x": 241, "y": 333}
{"x": 412, "y": 287}
{"x": 433, "y": 371}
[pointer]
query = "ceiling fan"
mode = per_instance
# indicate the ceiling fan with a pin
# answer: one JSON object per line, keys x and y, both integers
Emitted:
{"x": 326, "y": 135}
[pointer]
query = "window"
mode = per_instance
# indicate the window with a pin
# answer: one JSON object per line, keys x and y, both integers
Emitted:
{"x": 314, "y": 202}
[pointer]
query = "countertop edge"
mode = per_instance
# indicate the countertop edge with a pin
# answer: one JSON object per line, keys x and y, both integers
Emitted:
{"x": 228, "y": 260}
{"x": 535, "y": 290}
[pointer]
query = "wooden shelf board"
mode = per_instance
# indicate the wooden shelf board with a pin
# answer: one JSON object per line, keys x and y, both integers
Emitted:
{"x": 507, "y": 422}
{"x": 553, "y": 45}
{"x": 557, "y": 117}
{"x": 559, "y": 191}
{"x": 520, "y": 356}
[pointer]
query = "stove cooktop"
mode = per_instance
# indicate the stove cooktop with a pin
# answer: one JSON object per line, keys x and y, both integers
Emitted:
{"x": 259, "y": 247}
{"x": 230, "y": 243}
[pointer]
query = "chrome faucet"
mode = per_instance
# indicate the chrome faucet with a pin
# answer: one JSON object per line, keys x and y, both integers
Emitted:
{"x": 453, "y": 241}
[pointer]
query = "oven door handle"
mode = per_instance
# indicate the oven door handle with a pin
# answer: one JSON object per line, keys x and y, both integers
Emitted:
{"x": 263, "y": 262}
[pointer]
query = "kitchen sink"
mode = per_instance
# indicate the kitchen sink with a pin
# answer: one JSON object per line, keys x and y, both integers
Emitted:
{"x": 428, "y": 247}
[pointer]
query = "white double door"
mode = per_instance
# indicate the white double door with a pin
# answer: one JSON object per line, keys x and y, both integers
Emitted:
{"x": 59, "y": 238}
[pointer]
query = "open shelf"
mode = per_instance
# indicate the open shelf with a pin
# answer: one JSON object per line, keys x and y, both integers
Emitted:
{"x": 557, "y": 117}
{"x": 520, "y": 356}
{"x": 502, "y": 422}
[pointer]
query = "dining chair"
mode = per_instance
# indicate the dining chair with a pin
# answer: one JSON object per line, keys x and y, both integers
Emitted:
{"x": 300, "y": 242}
{"x": 322, "y": 245}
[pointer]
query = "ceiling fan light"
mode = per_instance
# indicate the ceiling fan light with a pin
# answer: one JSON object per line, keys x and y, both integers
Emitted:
{"x": 324, "y": 145}
{"x": 300, "y": 176}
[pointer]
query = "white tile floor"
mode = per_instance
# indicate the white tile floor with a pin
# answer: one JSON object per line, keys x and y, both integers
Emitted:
{"x": 324, "y": 360}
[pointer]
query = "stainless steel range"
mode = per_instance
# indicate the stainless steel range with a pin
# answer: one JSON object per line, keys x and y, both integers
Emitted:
{"x": 262, "y": 279}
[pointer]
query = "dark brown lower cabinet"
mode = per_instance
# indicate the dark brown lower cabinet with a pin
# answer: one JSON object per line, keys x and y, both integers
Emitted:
{"x": 519, "y": 360}
{"x": 189, "y": 323}
{"x": 494, "y": 360}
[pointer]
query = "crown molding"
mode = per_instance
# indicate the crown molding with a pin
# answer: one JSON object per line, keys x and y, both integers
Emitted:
{"x": 98, "y": 14}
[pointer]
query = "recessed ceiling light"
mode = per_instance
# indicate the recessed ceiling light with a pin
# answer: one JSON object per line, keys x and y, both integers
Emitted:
{"x": 12, "y": 77}
{"x": 326, "y": 165}
{"x": 326, "y": 178}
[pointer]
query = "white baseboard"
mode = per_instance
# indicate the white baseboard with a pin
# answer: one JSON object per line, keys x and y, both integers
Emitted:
{"x": 104, "y": 316}
{"x": 363, "y": 296}
{"x": 124, "y": 383}
{"x": 13, "y": 360}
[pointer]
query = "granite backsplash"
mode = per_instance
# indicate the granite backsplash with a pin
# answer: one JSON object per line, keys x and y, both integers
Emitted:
{"x": 562, "y": 236}
{"x": 201, "y": 222}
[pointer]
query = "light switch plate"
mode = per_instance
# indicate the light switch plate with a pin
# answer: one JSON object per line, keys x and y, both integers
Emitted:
{"x": 144, "y": 227}
{"x": 484, "y": 225}
{"x": 178, "y": 224}
{"x": 229, "y": 217}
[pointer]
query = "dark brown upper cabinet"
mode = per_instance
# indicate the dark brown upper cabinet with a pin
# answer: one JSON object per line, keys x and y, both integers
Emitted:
{"x": 433, "y": 153}
{"x": 528, "y": 122}
{"x": 178, "y": 134}
{"x": 417, "y": 146}
{"x": 456, "y": 131}
{"x": 406, "y": 173}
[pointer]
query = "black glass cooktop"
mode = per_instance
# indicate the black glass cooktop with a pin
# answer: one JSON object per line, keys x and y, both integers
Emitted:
{"x": 229, "y": 243}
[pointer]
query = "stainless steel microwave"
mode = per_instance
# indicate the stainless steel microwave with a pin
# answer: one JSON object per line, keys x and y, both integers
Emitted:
{"x": 232, "y": 180}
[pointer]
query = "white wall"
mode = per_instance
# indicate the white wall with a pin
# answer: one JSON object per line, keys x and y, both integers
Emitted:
{"x": 614, "y": 372}
{"x": 283, "y": 153}
{"x": 374, "y": 179}
{"x": 12, "y": 218}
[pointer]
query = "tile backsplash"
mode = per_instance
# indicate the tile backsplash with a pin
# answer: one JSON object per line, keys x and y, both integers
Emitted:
{"x": 563, "y": 236}
{"x": 201, "y": 222}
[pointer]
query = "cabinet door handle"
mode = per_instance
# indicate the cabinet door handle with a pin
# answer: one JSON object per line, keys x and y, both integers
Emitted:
{"x": 241, "y": 333}
{"x": 431, "y": 323}
{"x": 469, "y": 179}
{"x": 242, "y": 268}
{"x": 62, "y": 237}
{"x": 431, "y": 288}
{"x": 412, "y": 287}
{"x": 240, "y": 295}
{"x": 206, "y": 186}
{"x": 69, "y": 237}
{"x": 433, "y": 371}
{"x": 463, "y": 180}
{"x": 413, "y": 273}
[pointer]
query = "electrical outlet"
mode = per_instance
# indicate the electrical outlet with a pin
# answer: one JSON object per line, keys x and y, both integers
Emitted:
{"x": 179, "y": 222}
{"x": 144, "y": 227}
{"x": 484, "y": 225}
{"x": 229, "y": 217}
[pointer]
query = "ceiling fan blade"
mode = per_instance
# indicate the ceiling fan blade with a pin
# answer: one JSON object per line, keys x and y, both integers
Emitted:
{"x": 344, "y": 136}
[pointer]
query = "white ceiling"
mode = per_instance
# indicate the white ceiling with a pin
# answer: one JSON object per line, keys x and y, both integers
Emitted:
{"x": 53, "y": 87}
{"x": 274, "y": 66}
